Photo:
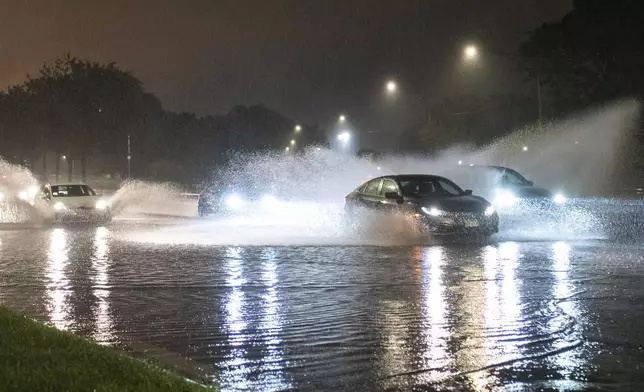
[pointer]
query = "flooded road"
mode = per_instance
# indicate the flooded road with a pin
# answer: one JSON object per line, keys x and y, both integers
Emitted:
{"x": 520, "y": 314}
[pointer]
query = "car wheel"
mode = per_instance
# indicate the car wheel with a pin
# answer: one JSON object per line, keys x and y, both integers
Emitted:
{"x": 107, "y": 217}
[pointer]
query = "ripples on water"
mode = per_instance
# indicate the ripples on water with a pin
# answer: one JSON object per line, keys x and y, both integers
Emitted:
{"x": 308, "y": 317}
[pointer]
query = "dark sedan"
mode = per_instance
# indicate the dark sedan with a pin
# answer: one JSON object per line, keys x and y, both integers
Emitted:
{"x": 440, "y": 205}
{"x": 235, "y": 198}
{"x": 507, "y": 188}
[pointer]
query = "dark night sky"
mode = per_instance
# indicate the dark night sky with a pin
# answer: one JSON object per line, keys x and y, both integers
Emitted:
{"x": 309, "y": 59}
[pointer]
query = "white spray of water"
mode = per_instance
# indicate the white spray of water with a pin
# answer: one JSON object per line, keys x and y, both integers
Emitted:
{"x": 15, "y": 181}
{"x": 576, "y": 155}
{"x": 141, "y": 197}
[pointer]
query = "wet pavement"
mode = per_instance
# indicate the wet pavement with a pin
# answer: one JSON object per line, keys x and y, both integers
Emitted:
{"x": 514, "y": 314}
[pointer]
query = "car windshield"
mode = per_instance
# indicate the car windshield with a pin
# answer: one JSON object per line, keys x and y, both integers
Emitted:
{"x": 429, "y": 186}
{"x": 513, "y": 177}
{"x": 71, "y": 191}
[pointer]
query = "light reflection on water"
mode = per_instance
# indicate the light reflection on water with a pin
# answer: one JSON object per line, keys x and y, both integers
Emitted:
{"x": 235, "y": 367}
{"x": 271, "y": 327}
{"x": 426, "y": 315}
{"x": 100, "y": 279}
{"x": 435, "y": 331}
{"x": 243, "y": 369}
{"x": 564, "y": 292}
{"x": 58, "y": 285}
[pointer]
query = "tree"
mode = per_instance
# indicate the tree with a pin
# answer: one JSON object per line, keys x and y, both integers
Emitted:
{"x": 89, "y": 106}
{"x": 469, "y": 119}
{"x": 593, "y": 55}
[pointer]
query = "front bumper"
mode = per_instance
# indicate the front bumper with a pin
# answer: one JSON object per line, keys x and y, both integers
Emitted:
{"x": 526, "y": 206}
{"x": 82, "y": 215}
{"x": 461, "y": 224}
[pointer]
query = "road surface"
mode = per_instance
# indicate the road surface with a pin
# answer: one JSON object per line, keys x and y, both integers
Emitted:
{"x": 521, "y": 312}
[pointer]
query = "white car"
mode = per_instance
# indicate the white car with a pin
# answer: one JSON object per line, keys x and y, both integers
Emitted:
{"x": 74, "y": 202}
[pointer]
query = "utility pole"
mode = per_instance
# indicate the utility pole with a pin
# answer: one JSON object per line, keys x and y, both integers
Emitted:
{"x": 539, "y": 98}
{"x": 129, "y": 156}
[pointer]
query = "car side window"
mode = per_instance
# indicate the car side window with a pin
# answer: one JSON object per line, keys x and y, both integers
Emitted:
{"x": 388, "y": 186}
{"x": 448, "y": 189}
{"x": 373, "y": 187}
{"x": 44, "y": 193}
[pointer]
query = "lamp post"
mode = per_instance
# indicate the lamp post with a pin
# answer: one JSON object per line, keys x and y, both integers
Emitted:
{"x": 129, "y": 156}
{"x": 471, "y": 54}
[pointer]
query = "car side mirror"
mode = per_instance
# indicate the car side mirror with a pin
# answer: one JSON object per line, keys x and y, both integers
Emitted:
{"x": 468, "y": 192}
{"x": 394, "y": 196}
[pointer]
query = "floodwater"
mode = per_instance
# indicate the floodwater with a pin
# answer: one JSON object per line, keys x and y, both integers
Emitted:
{"x": 518, "y": 313}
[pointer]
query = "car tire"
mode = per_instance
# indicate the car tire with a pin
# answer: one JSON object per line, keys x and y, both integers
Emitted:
{"x": 107, "y": 216}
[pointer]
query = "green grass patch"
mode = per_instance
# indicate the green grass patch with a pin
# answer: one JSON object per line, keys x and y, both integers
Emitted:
{"x": 35, "y": 357}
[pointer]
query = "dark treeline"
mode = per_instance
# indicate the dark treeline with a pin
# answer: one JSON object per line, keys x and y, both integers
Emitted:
{"x": 76, "y": 114}
{"x": 81, "y": 110}
{"x": 592, "y": 56}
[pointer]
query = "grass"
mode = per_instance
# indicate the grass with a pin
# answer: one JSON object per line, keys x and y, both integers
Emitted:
{"x": 35, "y": 357}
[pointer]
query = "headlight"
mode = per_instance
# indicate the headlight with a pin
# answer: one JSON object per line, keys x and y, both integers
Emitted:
{"x": 559, "y": 198}
{"x": 101, "y": 205}
{"x": 23, "y": 196}
{"x": 489, "y": 211}
{"x": 59, "y": 206}
{"x": 504, "y": 198}
{"x": 269, "y": 201}
{"x": 234, "y": 202}
{"x": 433, "y": 211}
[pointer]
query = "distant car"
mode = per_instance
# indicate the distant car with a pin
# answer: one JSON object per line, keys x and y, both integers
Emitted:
{"x": 225, "y": 199}
{"x": 73, "y": 202}
{"x": 508, "y": 189}
{"x": 439, "y": 205}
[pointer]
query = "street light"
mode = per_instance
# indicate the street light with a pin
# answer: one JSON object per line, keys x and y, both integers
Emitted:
{"x": 344, "y": 136}
{"x": 470, "y": 52}
{"x": 342, "y": 118}
{"x": 298, "y": 128}
{"x": 391, "y": 87}
{"x": 525, "y": 148}
{"x": 293, "y": 142}
{"x": 287, "y": 148}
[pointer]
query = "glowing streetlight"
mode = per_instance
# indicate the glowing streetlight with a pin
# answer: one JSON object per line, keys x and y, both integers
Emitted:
{"x": 287, "y": 148}
{"x": 525, "y": 148}
{"x": 64, "y": 157}
{"x": 470, "y": 52}
{"x": 460, "y": 162}
{"x": 342, "y": 118}
{"x": 391, "y": 87}
{"x": 344, "y": 136}
{"x": 298, "y": 128}
{"x": 293, "y": 142}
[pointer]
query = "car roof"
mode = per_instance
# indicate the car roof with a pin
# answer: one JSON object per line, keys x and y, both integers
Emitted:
{"x": 488, "y": 167}
{"x": 402, "y": 177}
{"x": 68, "y": 184}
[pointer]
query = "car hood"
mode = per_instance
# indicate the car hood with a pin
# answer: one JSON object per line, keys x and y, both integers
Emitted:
{"x": 453, "y": 204}
{"x": 76, "y": 201}
{"x": 530, "y": 192}
{"x": 252, "y": 194}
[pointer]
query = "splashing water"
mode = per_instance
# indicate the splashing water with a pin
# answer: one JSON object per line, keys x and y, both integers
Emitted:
{"x": 141, "y": 197}
{"x": 578, "y": 155}
{"x": 15, "y": 182}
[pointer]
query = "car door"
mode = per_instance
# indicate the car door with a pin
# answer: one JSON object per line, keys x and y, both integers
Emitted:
{"x": 369, "y": 196}
{"x": 389, "y": 205}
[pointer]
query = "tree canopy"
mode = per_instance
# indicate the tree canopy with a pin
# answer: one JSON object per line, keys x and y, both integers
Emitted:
{"x": 86, "y": 109}
{"x": 593, "y": 55}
